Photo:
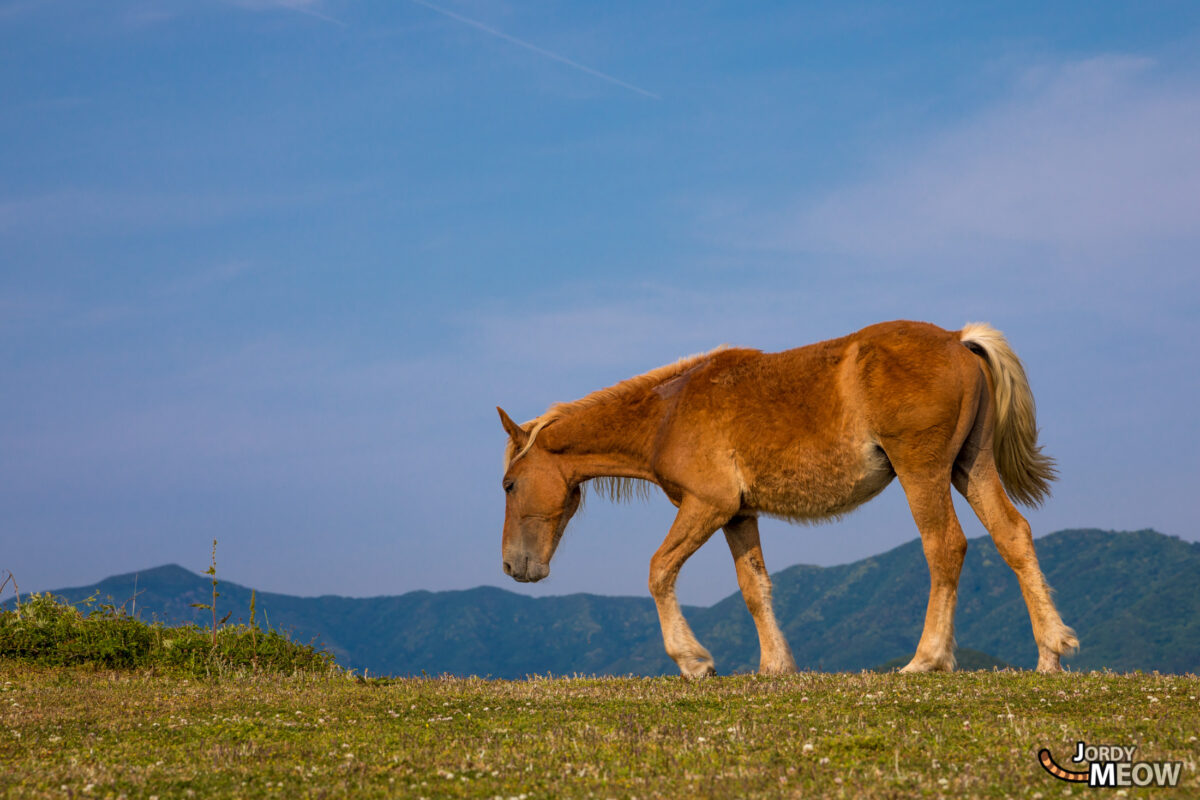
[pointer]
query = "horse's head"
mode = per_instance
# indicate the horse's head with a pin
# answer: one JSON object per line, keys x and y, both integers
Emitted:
{"x": 539, "y": 502}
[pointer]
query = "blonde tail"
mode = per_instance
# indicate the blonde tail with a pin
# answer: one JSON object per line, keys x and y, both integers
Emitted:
{"x": 1025, "y": 470}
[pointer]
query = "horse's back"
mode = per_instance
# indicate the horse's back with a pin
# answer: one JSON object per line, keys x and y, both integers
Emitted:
{"x": 812, "y": 389}
{"x": 799, "y": 430}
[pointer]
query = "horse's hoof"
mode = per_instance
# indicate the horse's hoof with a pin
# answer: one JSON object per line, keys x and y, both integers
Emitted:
{"x": 1049, "y": 664}
{"x": 927, "y": 665}
{"x": 700, "y": 669}
{"x": 777, "y": 669}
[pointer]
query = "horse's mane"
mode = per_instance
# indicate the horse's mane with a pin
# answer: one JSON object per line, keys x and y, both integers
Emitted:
{"x": 617, "y": 489}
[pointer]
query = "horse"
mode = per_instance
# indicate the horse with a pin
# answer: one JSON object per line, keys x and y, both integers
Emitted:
{"x": 806, "y": 434}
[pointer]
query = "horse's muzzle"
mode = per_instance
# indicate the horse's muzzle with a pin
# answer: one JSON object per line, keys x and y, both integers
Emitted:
{"x": 525, "y": 569}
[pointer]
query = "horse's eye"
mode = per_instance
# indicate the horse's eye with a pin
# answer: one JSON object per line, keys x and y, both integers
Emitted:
{"x": 509, "y": 486}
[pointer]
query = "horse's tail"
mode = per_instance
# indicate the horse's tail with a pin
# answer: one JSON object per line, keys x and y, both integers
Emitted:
{"x": 1025, "y": 470}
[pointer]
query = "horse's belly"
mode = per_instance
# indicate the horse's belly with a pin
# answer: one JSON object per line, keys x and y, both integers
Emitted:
{"x": 818, "y": 486}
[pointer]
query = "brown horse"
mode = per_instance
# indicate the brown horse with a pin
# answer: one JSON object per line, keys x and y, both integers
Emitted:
{"x": 804, "y": 434}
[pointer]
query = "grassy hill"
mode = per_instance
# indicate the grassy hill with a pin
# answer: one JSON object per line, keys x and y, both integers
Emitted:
{"x": 88, "y": 733}
{"x": 1131, "y": 596}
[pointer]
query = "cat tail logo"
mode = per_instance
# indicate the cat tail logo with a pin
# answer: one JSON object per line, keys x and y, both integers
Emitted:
{"x": 1047, "y": 762}
{"x": 1112, "y": 766}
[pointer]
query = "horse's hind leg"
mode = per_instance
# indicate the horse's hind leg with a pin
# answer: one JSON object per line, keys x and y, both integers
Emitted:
{"x": 694, "y": 524}
{"x": 945, "y": 547}
{"x": 979, "y": 482}
{"x": 744, "y": 544}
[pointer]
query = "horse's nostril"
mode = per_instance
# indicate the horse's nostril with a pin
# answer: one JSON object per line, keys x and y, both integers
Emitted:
{"x": 507, "y": 568}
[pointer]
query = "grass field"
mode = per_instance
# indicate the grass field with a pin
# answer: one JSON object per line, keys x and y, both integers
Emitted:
{"x": 85, "y": 733}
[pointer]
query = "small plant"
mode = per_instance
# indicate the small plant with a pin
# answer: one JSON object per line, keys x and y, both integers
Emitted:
{"x": 133, "y": 599}
{"x": 253, "y": 628}
{"x": 212, "y": 571}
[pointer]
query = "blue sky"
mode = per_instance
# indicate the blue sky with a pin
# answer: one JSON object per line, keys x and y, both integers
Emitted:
{"x": 267, "y": 266}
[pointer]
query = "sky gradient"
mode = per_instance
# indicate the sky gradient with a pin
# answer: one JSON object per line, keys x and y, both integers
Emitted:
{"x": 267, "y": 266}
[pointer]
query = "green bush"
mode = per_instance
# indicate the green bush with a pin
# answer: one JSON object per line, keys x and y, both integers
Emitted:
{"x": 49, "y": 631}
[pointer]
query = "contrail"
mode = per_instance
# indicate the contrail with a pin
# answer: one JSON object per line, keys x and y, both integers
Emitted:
{"x": 521, "y": 43}
{"x": 296, "y": 6}
{"x": 302, "y": 9}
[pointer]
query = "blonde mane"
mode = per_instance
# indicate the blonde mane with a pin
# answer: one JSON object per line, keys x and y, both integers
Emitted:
{"x": 617, "y": 489}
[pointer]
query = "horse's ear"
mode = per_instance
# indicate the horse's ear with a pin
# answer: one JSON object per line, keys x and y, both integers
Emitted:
{"x": 514, "y": 431}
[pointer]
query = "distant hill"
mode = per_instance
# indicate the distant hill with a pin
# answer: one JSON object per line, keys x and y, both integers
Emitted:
{"x": 1133, "y": 597}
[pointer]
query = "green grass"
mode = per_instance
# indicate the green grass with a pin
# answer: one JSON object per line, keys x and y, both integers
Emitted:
{"x": 93, "y": 733}
{"x": 47, "y": 631}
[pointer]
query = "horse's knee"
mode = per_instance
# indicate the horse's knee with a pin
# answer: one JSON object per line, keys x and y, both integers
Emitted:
{"x": 754, "y": 604}
{"x": 946, "y": 556}
{"x": 661, "y": 580}
{"x": 956, "y": 547}
{"x": 1015, "y": 545}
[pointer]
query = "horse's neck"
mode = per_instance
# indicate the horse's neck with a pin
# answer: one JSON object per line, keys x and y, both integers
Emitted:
{"x": 612, "y": 439}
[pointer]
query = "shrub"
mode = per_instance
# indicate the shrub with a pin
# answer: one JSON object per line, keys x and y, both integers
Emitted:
{"x": 49, "y": 631}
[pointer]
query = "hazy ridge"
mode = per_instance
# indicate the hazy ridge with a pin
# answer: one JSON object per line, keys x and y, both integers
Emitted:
{"x": 1133, "y": 597}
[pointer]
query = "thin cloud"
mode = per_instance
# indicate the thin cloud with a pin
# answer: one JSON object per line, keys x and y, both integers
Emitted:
{"x": 540, "y": 51}
{"x": 1083, "y": 158}
{"x": 19, "y": 7}
{"x": 202, "y": 279}
{"x": 102, "y": 211}
{"x": 306, "y": 7}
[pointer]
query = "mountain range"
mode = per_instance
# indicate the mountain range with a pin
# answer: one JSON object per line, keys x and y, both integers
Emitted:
{"x": 1133, "y": 598}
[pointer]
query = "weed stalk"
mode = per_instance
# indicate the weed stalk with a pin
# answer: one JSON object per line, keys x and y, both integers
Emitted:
{"x": 16, "y": 591}
{"x": 212, "y": 571}
{"x": 253, "y": 630}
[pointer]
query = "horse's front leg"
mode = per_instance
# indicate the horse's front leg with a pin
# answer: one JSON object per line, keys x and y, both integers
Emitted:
{"x": 742, "y": 534}
{"x": 694, "y": 524}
